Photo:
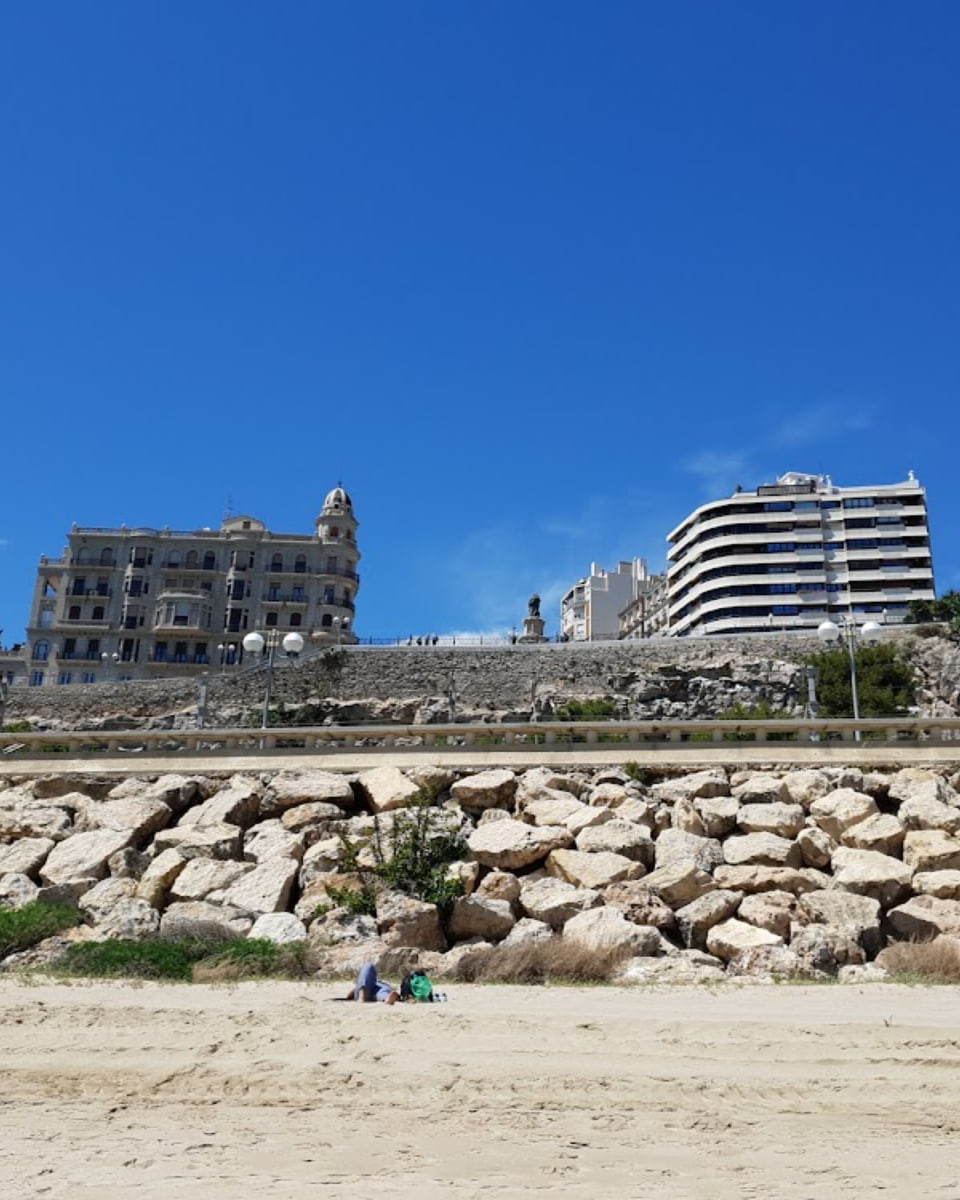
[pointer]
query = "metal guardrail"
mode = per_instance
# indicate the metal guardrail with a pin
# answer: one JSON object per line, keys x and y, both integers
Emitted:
{"x": 648, "y": 735}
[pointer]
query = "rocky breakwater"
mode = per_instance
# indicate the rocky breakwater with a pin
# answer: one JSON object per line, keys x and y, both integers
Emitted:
{"x": 698, "y": 875}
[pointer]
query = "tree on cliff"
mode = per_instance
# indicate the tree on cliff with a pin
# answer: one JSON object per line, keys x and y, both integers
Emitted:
{"x": 885, "y": 683}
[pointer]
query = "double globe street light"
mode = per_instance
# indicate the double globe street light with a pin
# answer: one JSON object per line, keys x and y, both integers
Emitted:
{"x": 256, "y": 643}
{"x": 850, "y": 632}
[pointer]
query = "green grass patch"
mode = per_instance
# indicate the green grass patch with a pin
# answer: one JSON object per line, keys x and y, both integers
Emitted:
{"x": 21, "y": 928}
{"x": 153, "y": 958}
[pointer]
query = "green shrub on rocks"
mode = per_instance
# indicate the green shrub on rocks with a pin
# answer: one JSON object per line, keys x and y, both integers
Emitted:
{"x": 411, "y": 854}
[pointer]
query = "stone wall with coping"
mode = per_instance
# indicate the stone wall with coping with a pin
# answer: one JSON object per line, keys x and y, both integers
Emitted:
{"x": 647, "y": 679}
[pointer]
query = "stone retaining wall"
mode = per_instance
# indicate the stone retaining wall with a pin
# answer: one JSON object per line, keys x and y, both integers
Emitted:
{"x": 675, "y": 679}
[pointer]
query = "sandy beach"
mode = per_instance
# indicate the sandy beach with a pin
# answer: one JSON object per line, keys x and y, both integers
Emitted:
{"x": 269, "y": 1089}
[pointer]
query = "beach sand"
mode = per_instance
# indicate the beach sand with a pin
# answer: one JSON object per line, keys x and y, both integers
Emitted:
{"x": 270, "y": 1090}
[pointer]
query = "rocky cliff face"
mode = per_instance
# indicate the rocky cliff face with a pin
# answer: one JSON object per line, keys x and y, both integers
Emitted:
{"x": 655, "y": 680}
{"x": 694, "y": 875}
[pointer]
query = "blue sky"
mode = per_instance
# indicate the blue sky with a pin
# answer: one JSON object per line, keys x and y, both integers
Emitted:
{"x": 534, "y": 279}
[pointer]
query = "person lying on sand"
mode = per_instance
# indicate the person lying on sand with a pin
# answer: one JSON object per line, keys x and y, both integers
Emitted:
{"x": 369, "y": 987}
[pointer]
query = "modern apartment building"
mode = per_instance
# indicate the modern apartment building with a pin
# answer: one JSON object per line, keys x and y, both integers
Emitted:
{"x": 141, "y": 603}
{"x": 590, "y": 610}
{"x": 797, "y": 551}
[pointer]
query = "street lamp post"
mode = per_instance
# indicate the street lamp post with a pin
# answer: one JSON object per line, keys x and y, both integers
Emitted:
{"x": 227, "y": 652}
{"x": 850, "y": 632}
{"x": 109, "y": 660}
{"x": 341, "y": 623}
{"x": 256, "y": 643}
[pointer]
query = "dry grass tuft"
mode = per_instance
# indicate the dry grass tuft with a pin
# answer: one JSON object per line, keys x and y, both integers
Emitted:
{"x": 936, "y": 961}
{"x": 552, "y": 961}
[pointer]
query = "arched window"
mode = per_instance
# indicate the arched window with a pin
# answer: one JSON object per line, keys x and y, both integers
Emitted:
{"x": 173, "y": 558}
{"x": 98, "y": 612}
{"x": 192, "y": 559}
{"x": 326, "y": 620}
{"x": 106, "y": 557}
{"x": 83, "y": 555}
{"x": 73, "y": 614}
{"x": 271, "y": 619}
{"x": 300, "y": 566}
{"x": 296, "y": 619}
{"x": 276, "y": 563}
{"x": 209, "y": 561}
{"x": 41, "y": 651}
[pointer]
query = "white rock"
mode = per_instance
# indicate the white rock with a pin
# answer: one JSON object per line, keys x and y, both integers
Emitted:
{"x": 732, "y": 937}
{"x": 488, "y": 789}
{"x": 283, "y": 929}
{"x": 591, "y": 870}
{"x": 265, "y": 889}
{"x": 83, "y": 856}
{"x": 607, "y": 928}
{"x": 511, "y": 844}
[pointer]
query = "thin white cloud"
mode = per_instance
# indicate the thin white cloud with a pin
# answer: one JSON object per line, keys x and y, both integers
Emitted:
{"x": 821, "y": 423}
{"x": 719, "y": 471}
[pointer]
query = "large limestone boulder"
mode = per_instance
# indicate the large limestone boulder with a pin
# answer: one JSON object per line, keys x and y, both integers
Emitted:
{"x": 674, "y": 846}
{"x": 825, "y": 949}
{"x": 918, "y": 783}
{"x": 867, "y": 873}
{"x": 592, "y": 870}
{"x": 817, "y": 847}
{"x": 313, "y": 821}
{"x": 479, "y": 917}
{"x": 696, "y": 919}
{"x": 602, "y": 929}
{"x": 83, "y": 856}
{"x": 283, "y": 929}
{"x": 608, "y": 795}
{"x": 265, "y": 889}
{"x": 718, "y": 815}
{"x": 761, "y": 789}
{"x": 554, "y": 810}
{"x": 177, "y": 792}
{"x": 487, "y": 789}
{"x": 927, "y": 812}
{"x": 803, "y": 787}
{"x": 554, "y": 902}
{"x": 923, "y": 918}
{"x": 773, "y": 911}
{"x": 25, "y": 856}
{"x": 201, "y": 841}
{"x": 338, "y": 927}
{"x": 680, "y": 883}
{"x": 269, "y": 840}
{"x": 761, "y": 850}
{"x": 543, "y": 783}
{"x": 526, "y": 932}
{"x": 750, "y": 879}
{"x": 767, "y": 963}
{"x": 733, "y": 937}
{"x": 197, "y": 878}
{"x": 784, "y": 820}
{"x": 31, "y": 820}
{"x": 499, "y": 885}
{"x": 293, "y": 789}
{"x": 856, "y": 917}
{"x": 141, "y": 817}
{"x": 685, "y": 817}
{"x": 405, "y": 921}
{"x": 883, "y": 833}
{"x": 692, "y": 786}
{"x": 159, "y": 876}
{"x": 511, "y": 845}
{"x": 618, "y": 837}
{"x": 387, "y": 788}
{"x": 114, "y": 911}
{"x": 677, "y": 969}
{"x": 945, "y": 885}
{"x": 199, "y": 918}
{"x": 838, "y": 810}
{"x": 236, "y": 803}
{"x": 50, "y": 787}
{"x": 17, "y": 890}
{"x": 639, "y": 904}
{"x": 931, "y": 850}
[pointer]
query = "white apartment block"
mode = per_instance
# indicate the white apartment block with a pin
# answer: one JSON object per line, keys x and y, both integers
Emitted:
{"x": 590, "y": 610}
{"x": 646, "y": 614}
{"x": 151, "y": 603}
{"x": 795, "y": 552}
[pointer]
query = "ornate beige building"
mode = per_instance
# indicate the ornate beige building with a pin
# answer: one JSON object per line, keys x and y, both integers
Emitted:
{"x": 141, "y": 603}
